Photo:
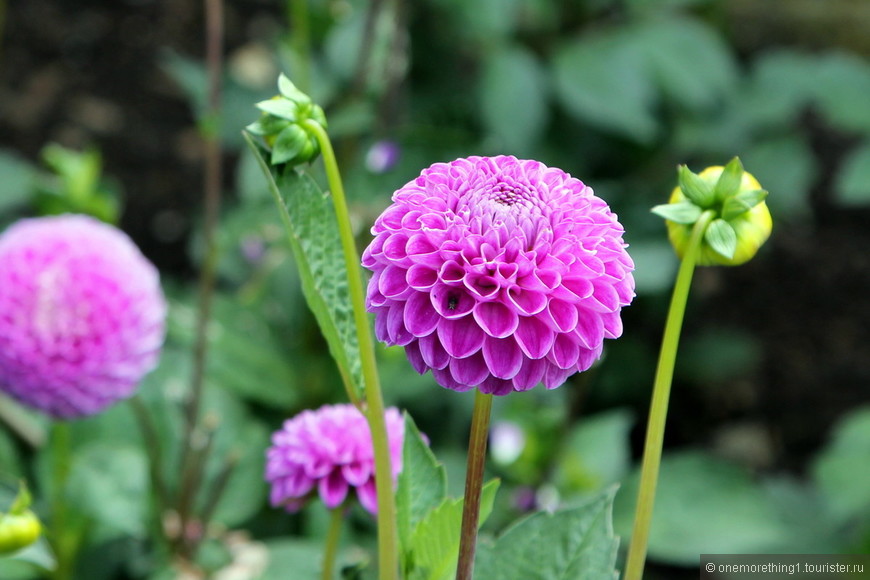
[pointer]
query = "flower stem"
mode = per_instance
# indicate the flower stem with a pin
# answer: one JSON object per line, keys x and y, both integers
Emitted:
{"x": 473, "y": 484}
{"x": 388, "y": 555}
{"x": 652, "y": 453}
{"x": 336, "y": 518}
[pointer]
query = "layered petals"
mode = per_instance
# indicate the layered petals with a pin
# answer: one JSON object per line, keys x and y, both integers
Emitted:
{"x": 507, "y": 274}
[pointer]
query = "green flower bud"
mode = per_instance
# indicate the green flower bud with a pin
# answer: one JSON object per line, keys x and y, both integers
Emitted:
{"x": 20, "y": 527}
{"x": 741, "y": 220}
{"x": 282, "y": 125}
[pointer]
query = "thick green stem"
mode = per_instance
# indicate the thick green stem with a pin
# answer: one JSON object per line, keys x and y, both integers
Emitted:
{"x": 388, "y": 554}
{"x": 332, "y": 536}
{"x": 473, "y": 484}
{"x": 65, "y": 537}
{"x": 655, "y": 431}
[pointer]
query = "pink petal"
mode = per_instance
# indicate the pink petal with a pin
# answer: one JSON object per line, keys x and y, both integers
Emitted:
{"x": 356, "y": 473}
{"x": 495, "y": 386}
{"x": 470, "y": 371}
{"x": 420, "y": 317}
{"x": 462, "y": 337}
{"x": 503, "y": 356}
{"x": 565, "y": 351}
{"x": 562, "y": 315}
{"x": 421, "y": 277}
{"x": 391, "y": 282}
{"x": 555, "y": 377}
{"x": 446, "y": 380}
{"x": 530, "y": 374}
{"x": 333, "y": 489}
{"x": 590, "y": 330}
{"x": 534, "y": 337}
{"x": 368, "y": 496}
{"x": 415, "y": 357}
{"x": 396, "y": 325}
{"x": 496, "y": 319}
{"x": 433, "y": 352}
{"x": 527, "y": 302}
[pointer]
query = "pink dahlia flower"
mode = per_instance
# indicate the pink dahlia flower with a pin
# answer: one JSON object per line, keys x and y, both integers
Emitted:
{"x": 498, "y": 273}
{"x": 82, "y": 315}
{"x": 329, "y": 449}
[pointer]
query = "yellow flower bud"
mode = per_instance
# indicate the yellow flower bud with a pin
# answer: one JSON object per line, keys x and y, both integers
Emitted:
{"x": 752, "y": 227}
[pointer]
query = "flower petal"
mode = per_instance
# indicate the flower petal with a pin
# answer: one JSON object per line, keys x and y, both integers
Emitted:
{"x": 527, "y": 302}
{"x": 503, "y": 356}
{"x": 565, "y": 351}
{"x": 534, "y": 337}
{"x": 562, "y": 315}
{"x": 461, "y": 337}
{"x": 530, "y": 374}
{"x": 421, "y": 318}
{"x": 332, "y": 489}
{"x": 496, "y": 319}
{"x": 433, "y": 352}
{"x": 470, "y": 371}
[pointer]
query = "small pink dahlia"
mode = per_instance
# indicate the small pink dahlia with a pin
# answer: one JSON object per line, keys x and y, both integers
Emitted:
{"x": 498, "y": 273}
{"x": 82, "y": 314}
{"x": 330, "y": 449}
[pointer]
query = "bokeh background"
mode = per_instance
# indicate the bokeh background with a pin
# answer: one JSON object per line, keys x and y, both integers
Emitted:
{"x": 768, "y": 442}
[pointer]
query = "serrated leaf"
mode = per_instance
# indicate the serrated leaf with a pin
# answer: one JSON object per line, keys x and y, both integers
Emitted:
{"x": 742, "y": 203}
{"x": 435, "y": 544}
{"x": 422, "y": 484}
{"x": 721, "y": 237}
{"x": 729, "y": 180}
{"x": 280, "y": 108}
{"x": 571, "y": 543}
{"x": 684, "y": 212}
{"x": 695, "y": 188}
{"x": 310, "y": 221}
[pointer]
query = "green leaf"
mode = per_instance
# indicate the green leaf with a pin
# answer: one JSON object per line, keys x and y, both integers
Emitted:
{"x": 721, "y": 237}
{"x": 683, "y": 212}
{"x": 689, "y": 61}
{"x": 109, "y": 484}
{"x": 310, "y": 221}
{"x": 704, "y": 506}
{"x": 853, "y": 181}
{"x": 696, "y": 189}
{"x": 603, "y": 81}
{"x": 513, "y": 98}
{"x": 422, "y": 483}
{"x": 597, "y": 453}
{"x": 572, "y": 543}
{"x": 435, "y": 543}
{"x": 742, "y": 203}
{"x": 729, "y": 180}
{"x": 842, "y": 469}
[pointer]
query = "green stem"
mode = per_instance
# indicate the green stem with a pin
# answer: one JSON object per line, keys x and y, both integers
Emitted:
{"x": 473, "y": 484}
{"x": 64, "y": 536}
{"x": 332, "y": 536}
{"x": 655, "y": 433}
{"x": 388, "y": 555}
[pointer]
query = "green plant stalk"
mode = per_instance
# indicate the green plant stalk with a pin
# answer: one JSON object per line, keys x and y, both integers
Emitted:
{"x": 336, "y": 517}
{"x": 473, "y": 484}
{"x": 388, "y": 554}
{"x": 655, "y": 432}
{"x": 65, "y": 540}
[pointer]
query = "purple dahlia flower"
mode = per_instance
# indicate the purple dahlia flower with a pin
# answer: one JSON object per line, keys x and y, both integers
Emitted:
{"x": 82, "y": 315}
{"x": 498, "y": 273}
{"x": 329, "y": 449}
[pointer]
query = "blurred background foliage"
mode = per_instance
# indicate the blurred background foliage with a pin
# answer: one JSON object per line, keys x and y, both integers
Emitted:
{"x": 768, "y": 447}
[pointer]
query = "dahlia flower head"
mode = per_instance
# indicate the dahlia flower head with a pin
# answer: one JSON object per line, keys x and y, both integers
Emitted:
{"x": 498, "y": 273}
{"x": 328, "y": 451}
{"x": 82, "y": 315}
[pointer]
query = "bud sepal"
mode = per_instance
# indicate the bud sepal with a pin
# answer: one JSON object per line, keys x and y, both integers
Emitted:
{"x": 282, "y": 125}
{"x": 741, "y": 220}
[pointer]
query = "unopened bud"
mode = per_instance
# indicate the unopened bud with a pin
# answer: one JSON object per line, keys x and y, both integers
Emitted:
{"x": 741, "y": 220}
{"x": 282, "y": 125}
